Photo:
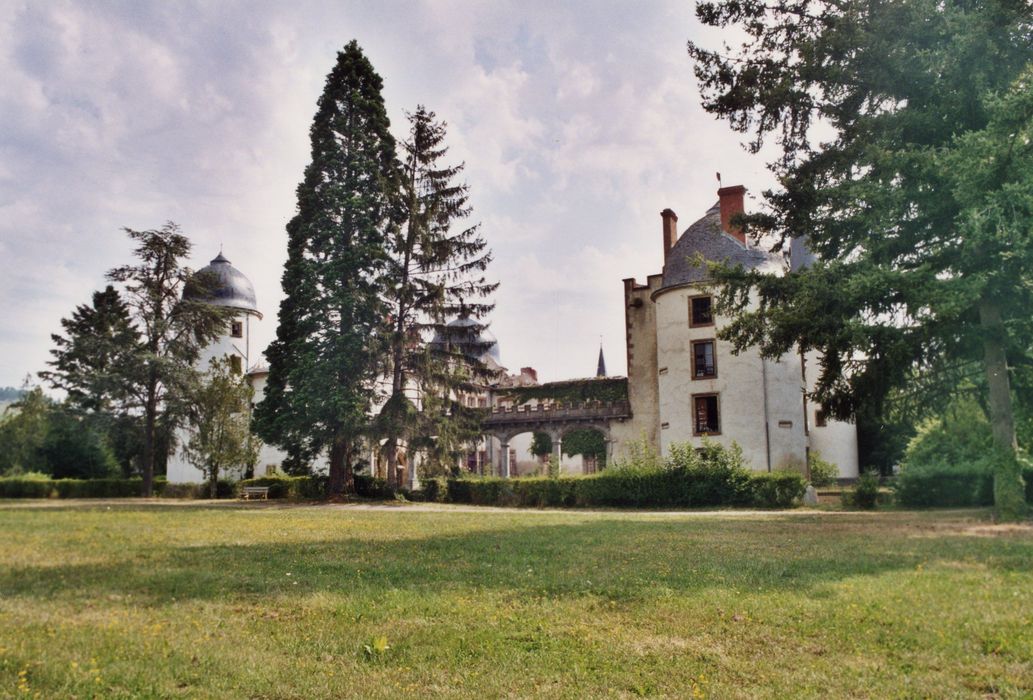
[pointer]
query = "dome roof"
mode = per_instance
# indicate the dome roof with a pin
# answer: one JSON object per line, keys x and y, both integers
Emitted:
{"x": 229, "y": 287}
{"x": 707, "y": 238}
{"x": 465, "y": 331}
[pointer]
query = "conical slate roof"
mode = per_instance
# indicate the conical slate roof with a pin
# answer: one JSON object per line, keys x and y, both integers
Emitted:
{"x": 706, "y": 237}
{"x": 229, "y": 287}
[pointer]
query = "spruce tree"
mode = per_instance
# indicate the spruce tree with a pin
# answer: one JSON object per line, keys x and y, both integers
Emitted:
{"x": 435, "y": 272}
{"x": 918, "y": 203}
{"x": 330, "y": 338}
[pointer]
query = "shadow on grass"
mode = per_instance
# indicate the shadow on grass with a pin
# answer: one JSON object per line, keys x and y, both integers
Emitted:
{"x": 614, "y": 559}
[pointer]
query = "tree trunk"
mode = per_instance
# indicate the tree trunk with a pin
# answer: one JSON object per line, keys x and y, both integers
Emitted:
{"x": 213, "y": 487}
{"x": 335, "y": 487}
{"x": 1009, "y": 490}
{"x": 150, "y": 418}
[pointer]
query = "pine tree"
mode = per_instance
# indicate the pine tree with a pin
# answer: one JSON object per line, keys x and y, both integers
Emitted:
{"x": 174, "y": 329}
{"x": 91, "y": 359}
{"x": 435, "y": 271}
{"x": 330, "y": 338}
{"x": 919, "y": 204}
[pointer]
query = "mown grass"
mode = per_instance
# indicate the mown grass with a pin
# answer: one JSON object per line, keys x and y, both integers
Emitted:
{"x": 270, "y": 602}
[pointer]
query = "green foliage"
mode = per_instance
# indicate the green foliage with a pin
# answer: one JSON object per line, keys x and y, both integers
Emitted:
{"x": 918, "y": 203}
{"x": 330, "y": 339}
{"x": 166, "y": 303}
{"x": 435, "y": 271}
{"x": 97, "y": 354}
{"x": 23, "y": 431}
{"x": 39, "y": 435}
{"x": 290, "y": 487}
{"x": 588, "y": 442}
{"x": 865, "y": 495}
{"x": 35, "y": 487}
{"x": 573, "y": 390}
{"x": 541, "y": 444}
{"x": 689, "y": 478}
{"x": 219, "y": 419}
{"x": 552, "y": 467}
{"x": 823, "y": 472}
{"x": 958, "y": 440}
{"x": 73, "y": 449}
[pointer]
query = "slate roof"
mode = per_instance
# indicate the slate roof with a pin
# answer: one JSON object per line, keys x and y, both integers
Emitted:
{"x": 706, "y": 236}
{"x": 230, "y": 287}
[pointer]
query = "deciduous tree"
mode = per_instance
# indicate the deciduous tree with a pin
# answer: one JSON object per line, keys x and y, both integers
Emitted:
{"x": 219, "y": 421}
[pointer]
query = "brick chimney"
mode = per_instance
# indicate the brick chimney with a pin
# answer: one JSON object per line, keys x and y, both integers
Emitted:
{"x": 531, "y": 372}
{"x": 732, "y": 204}
{"x": 670, "y": 230}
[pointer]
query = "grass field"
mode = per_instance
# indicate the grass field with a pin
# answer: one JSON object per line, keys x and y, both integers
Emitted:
{"x": 142, "y": 600}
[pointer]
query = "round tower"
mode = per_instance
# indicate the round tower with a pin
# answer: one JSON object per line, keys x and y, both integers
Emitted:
{"x": 227, "y": 286}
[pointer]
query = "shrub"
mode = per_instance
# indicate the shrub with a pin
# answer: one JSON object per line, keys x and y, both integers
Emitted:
{"x": 777, "y": 489}
{"x": 823, "y": 472}
{"x": 367, "y": 486}
{"x": 292, "y": 487}
{"x": 865, "y": 495}
{"x": 35, "y": 487}
{"x": 434, "y": 489}
{"x": 712, "y": 476}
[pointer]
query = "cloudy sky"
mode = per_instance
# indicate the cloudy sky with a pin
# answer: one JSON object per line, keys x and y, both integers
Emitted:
{"x": 578, "y": 123}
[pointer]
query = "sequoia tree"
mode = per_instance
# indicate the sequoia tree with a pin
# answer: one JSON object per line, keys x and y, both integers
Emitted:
{"x": 324, "y": 361}
{"x": 918, "y": 203}
{"x": 435, "y": 272}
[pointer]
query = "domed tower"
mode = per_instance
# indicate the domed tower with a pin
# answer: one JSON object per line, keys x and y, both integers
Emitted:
{"x": 227, "y": 286}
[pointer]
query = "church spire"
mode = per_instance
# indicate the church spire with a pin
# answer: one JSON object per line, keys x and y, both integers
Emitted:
{"x": 601, "y": 369}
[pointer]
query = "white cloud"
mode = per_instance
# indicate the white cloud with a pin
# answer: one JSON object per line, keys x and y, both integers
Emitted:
{"x": 578, "y": 124}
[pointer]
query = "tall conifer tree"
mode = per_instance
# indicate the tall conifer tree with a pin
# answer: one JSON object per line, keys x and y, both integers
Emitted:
{"x": 324, "y": 361}
{"x": 435, "y": 271}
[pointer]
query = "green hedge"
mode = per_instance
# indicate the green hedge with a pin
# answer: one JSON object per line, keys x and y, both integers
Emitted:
{"x": 292, "y": 487}
{"x": 950, "y": 489}
{"x": 14, "y": 487}
{"x": 668, "y": 488}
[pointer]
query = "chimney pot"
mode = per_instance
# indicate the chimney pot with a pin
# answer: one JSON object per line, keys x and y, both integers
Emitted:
{"x": 732, "y": 204}
{"x": 670, "y": 230}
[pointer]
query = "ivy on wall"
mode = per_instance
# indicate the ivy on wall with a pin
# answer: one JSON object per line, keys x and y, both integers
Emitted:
{"x": 572, "y": 390}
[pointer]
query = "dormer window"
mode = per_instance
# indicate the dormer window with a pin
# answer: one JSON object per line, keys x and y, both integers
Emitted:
{"x": 700, "y": 313}
{"x": 237, "y": 329}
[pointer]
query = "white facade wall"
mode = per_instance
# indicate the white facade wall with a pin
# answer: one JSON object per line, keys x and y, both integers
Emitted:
{"x": 739, "y": 383}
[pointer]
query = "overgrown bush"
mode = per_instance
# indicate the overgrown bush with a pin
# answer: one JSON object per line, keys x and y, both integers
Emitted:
{"x": 367, "y": 486}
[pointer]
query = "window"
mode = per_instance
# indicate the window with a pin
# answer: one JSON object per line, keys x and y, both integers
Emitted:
{"x": 707, "y": 421}
{"x": 820, "y": 418}
{"x": 235, "y": 364}
{"x": 237, "y": 329}
{"x": 699, "y": 312}
{"x": 704, "y": 364}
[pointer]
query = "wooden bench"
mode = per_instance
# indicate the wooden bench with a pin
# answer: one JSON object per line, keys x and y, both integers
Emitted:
{"x": 250, "y": 492}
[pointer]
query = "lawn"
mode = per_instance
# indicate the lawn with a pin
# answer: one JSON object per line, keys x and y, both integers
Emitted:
{"x": 229, "y": 600}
